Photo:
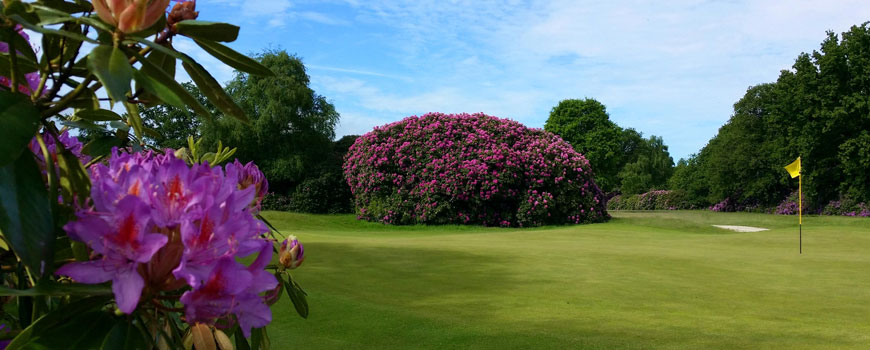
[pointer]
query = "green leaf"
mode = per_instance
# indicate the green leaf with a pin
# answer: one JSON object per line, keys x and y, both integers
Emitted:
{"x": 58, "y": 49}
{"x": 25, "y": 213}
{"x": 87, "y": 99}
{"x": 113, "y": 69}
{"x": 135, "y": 120}
{"x": 75, "y": 184}
{"x": 83, "y": 124}
{"x": 241, "y": 342}
{"x": 61, "y": 316}
{"x": 26, "y": 24}
{"x": 68, "y": 7}
{"x": 20, "y": 120}
{"x": 50, "y": 288}
{"x": 98, "y": 115}
{"x": 233, "y": 58}
{"x": 214, "y": 92}
{"x": 169, "y": 81}
{"x": 22, "y": 46}
{"x": 208, "y": 30}
{"x": 160, "y": 60}
{"x": 297, "y": 296}
{"x": 48, "y": 15}
{"x": 157, "y": 89}
{"x": 124, "y": 336}
{"x": 101, "y": 146}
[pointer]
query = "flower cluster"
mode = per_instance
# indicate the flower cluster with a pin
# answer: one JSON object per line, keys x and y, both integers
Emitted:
{"x": 848, "y": 207}
{"x": 70, "y": 143}
{"x": 470, "y": 168}
{"x": 789, "y": 206}
{"x": 158, "y": 225}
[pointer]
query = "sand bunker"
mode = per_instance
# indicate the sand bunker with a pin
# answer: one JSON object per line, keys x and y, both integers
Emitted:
{"x": 741, "y": 228}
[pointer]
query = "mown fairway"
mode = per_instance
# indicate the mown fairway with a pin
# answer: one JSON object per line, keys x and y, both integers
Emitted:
{"x": 664, "y": 280}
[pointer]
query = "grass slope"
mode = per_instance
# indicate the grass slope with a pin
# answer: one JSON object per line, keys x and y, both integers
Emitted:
{"x": 645, "y": 280}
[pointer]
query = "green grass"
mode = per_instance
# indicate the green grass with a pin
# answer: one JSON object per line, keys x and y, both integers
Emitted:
{"x": 645, "y": 280}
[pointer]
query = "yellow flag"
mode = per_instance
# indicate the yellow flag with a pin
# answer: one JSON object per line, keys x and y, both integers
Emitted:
{"x": 794, "y": 169}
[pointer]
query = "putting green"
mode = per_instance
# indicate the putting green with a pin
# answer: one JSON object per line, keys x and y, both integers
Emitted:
{"x": 663, "y": 280}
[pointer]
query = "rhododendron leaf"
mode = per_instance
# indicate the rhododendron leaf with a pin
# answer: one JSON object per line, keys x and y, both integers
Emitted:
{"x": 25, "y": 213}
{"x": 241, "y": 342}
{"x": 74, "y": 180}
{"x": 124, "y": 335}
{"x": 214, "y": 92}
{"x": 233, "y": 58}
{"x": 86, "y": 100}
{"x": 67, "y": 6}
{"x": 297, "y": 296}
{"x": 152, "y": 69}
{"x": 135, "y": 120}
{"x": 26, "y": 24}
{"x": 84, "y": 331}
{"x": 208, "y": 30}
{"x": 51, "y": 288}
{"x": 61, "y": 316}
{"x": 20, "y": 120}
{"x": 101, "y": 146}
{"x": 260, "y": 339}
{"x": 113, "y": 69}
{"x": 48, "y": 15}
{"x": 157, "y": 89}
{"x": 98, "y": 115}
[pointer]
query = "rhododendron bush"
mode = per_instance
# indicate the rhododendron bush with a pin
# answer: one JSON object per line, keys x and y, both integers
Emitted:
{"x": 114, "y": 244}
{"x": 470, "y": 169}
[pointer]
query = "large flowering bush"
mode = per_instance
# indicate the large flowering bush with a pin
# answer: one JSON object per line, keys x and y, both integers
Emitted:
{"x": 470, "y": 169}
{"x": 112, "y": 245}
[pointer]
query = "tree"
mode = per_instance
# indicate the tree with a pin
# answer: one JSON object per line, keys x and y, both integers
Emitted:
{"x": 586, "y": 125}
{"x": 651, "y": 169}
{"x": 291, "y": 126}
{"x": 174, "y": 125}
{"x": 819, "y": 110}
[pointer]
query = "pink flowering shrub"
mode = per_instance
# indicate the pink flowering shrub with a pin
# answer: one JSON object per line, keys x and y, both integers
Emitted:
{"x": 470, "y": 169}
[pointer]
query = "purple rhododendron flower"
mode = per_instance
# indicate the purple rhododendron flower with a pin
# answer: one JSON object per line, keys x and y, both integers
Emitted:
{"x": 68, "y": 142}
{"x": 250, "y": 175}
{"x": 123, "y": 241}
{"x": 156, "y": 224}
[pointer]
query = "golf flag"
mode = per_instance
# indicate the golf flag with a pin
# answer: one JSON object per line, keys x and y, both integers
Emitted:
{"x": 794, "y": 169}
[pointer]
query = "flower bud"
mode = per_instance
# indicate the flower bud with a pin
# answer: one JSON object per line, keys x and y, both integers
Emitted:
{"x": 130, "y": 16}
{"x": 292, "y": 253}
{"x": 183, "y": 10}
{"x": 222, "y": 340}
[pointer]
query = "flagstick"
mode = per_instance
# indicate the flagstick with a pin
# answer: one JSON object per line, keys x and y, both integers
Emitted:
{"x": 800, "y": 215}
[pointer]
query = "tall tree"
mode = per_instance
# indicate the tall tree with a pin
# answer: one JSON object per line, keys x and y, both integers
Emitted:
{"x": 651, "y": 168}
{"x": 291, "y": 126}
{"x": 586, "y": 125}
{"x": 819, "y": 110}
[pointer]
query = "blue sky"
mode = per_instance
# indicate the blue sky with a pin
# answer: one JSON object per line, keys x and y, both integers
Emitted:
{"x": 668, "y": 68}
